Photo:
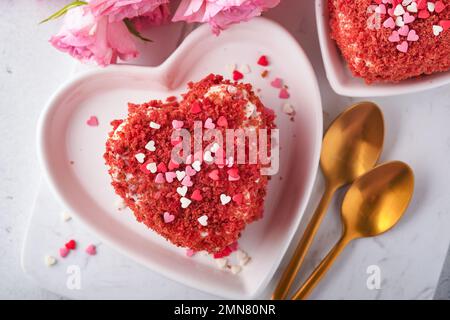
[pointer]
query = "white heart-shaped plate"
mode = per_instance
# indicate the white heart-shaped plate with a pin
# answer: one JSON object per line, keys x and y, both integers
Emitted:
{"x": 344, "y": 83}
{"x": 71, "y": 152}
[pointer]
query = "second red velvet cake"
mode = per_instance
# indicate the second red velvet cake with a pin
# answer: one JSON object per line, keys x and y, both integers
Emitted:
{"x": 392, "y": 40}
{"x": 197, "y": 204}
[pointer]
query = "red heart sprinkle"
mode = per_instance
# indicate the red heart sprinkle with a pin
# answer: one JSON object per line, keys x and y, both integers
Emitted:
{"x": 445, "y": 24}
{"x": 92, "y": 121}
{"x": 222, "y": 122}
{"x": 196, "y": 195}
{"x": 173, "y": 165}
{"x": 224, "y": 253}
{"x": 161, "y": 167}
{"x": 439, "y": 6}
{"x": 237, "y": 75}
{"x": 421, "y": 4}
{"x": 238, "y": 198}
{"x": 424, "y": 14}
{"x": 71, "y": 245}
{"x": 196, "y": 108}
{"x": 262, "y": 61}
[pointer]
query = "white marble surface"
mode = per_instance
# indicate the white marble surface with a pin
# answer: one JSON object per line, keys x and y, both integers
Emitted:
{"x": 410, "y": 257}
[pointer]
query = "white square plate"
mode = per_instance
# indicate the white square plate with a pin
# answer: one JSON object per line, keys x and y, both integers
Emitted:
{"x": 84, "y": 186}
{"x": 344, "y": 83}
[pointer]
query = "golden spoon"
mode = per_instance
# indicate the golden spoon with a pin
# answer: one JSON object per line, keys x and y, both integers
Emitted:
{"x": 351, "y": 147}
{"x": 374, "y": 204}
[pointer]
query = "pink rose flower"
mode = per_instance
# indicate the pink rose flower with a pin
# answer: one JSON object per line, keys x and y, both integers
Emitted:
{"x": 220, "y": 14}
{"x": 88, "y": 38}
{"x": 117, "y": 10}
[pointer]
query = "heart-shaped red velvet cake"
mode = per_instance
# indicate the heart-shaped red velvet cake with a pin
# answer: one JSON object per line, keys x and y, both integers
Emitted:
{"x": 205, "y": 202}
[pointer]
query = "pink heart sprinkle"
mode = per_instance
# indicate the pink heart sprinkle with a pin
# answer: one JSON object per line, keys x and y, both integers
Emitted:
{"x": 187, "y": 181}
{"x": 170, "y": 176}
{"x": 189, "y": 159}
{"x": 63, "y": 252}
{"x": 189, "y": 171}
{"x": 403, "y": 31}
{"x": 234, "y": 172}
{"x": 214, "y": 175}
{"x": 91, "y": 250}
{"x": 394, "y": 37}
{"x": 160, "y": 178}
{"x": 284, "y": 94}
{"x": 92, "y": 121}
{"x": 381, "y": 9}
{"x": 403, "y": 47}
{"x": 176, "y": 124}
{"x": 439, "y": 6}
{"x": 389, "y": 23}
{"x": 190, "y": 252}
{"x": 222, "y": 122}
{"x": 168, "y": 218}
{"x": 209, "y": 124}
{"x": 196, "y": 195}
{"x": 408, "y": 18}
{"x": 391, "y": 11}
{"x": 412, "y": 36}
{"x": 277, "y": 83}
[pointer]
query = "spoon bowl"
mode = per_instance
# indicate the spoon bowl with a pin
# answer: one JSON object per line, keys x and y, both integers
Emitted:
{"x": 353, "y": 143}
{"x": 376, "y": 202}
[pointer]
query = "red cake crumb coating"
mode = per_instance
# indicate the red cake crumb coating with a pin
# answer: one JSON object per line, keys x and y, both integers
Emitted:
{"x": 372, "y": 56}
{"x": 150, "y": 200}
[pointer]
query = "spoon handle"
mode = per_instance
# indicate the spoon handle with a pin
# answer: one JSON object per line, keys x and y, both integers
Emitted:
{"x": 292, "y": 269}
{"x": 321, "y": 270}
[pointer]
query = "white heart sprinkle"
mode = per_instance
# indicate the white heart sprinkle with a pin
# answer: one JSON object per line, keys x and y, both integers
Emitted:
{"x": 437, "y": 30}
{"x": 399, "y": 22}
{"x": 203, "y": 220}
{"x": 230, "y": 67}
{"x": 225, "y": 199}
{"x": 399, "y": 11}
{"x": 150, "y": 146}
{"x": 287, "y": 108}
{"x": 406, "y": 2}
{"x": 215, "y": 147}
{"x": 431, "y": 6}
{"x": 221, "y": 262}
{"x": 120, "y": 204}
{"x": 182, "y": 191}
{"x": 66, "y": 216}
{"x": 207, "y": 156}
{"x": 245, "y": 69}
{"x": 180, "y": 175}
{"x": 231, "y": 89}
{"x": 151, "y": 167}
{"x": 196, "y": 165}
{"x": 140, "y": 157}
{"x": 49, "y": 261}
{"x": 235, "y": 269}
{"x": 185, "y": 202}
{"x": 154, "y": 125}
{"x": 412, "y": 7}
